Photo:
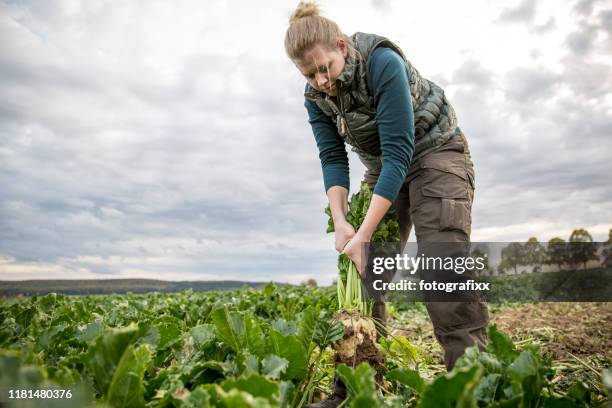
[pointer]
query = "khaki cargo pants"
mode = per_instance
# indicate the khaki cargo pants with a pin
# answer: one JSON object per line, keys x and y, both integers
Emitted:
{"x": 436, "y": 199}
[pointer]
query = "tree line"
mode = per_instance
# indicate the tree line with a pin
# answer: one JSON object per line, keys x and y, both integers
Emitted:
{"x": 576, "y": 252}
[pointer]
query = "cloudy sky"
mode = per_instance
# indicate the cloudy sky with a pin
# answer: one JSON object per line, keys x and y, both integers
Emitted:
{"x": 168, "y": 140}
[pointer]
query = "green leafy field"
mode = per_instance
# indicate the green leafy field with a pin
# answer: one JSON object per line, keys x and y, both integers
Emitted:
{"x": 266, "y": 347}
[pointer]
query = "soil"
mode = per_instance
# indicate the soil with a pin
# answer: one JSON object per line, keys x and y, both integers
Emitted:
{"x": 563, "y": 330}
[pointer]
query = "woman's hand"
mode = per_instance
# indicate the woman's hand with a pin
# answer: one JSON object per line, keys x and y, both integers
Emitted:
{"x": 355, "y": 250}
{"x": 344, "y": 232}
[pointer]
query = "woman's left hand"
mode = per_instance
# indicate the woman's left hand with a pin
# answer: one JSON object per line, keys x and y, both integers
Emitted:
{"x": 355, "y": 251}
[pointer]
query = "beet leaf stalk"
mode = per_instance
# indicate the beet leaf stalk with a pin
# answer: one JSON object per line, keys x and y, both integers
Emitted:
{"x": 350, "y": 296}
{"x": 349, "y": 290}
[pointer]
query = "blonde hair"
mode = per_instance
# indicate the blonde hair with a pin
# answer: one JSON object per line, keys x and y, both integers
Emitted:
{"x": 308, "y": 28}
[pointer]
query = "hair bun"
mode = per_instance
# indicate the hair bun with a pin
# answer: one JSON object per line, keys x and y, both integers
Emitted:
{"x": 304, "y": 9}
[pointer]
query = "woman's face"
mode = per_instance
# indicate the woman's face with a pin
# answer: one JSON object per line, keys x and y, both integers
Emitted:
{"x": 321, "y": 66}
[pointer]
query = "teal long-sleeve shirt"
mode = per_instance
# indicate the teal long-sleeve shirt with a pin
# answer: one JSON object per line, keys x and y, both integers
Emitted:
{"x": 388, "y": 82}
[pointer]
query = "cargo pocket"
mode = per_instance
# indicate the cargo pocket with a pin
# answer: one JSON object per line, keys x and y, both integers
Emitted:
{"x": 455, "y": 215}
{"x": 451, "y": 184}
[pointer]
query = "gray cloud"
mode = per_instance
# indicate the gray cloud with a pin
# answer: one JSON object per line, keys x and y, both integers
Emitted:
{"x": 126, "y": 164}
{"x": 581, "y": 41}
{"x": 529, "y": 85}
{"x": 383, "y": 5}
{"x": 542, "y": 146}
{"x": 605, "y": 17}
{"x": 584, "y": 7}
{"x": 472, "y": 73}
{"x": 130, "y": 150}
{"x": 586, "y": 74}
{"x": 546, "y": 27}
{"x": 524, "y": 12}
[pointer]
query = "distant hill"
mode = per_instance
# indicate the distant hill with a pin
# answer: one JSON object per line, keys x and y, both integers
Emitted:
{"x": 107, "y": 286}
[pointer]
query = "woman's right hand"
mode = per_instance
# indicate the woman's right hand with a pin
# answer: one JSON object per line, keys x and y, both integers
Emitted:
{"x": 344, "y": 232}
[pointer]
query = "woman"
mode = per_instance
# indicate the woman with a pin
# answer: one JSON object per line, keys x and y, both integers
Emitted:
{"x": 362, "y": 91}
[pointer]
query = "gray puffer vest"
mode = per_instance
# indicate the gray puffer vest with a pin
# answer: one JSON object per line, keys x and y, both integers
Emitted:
{"x": 354, "y": 112}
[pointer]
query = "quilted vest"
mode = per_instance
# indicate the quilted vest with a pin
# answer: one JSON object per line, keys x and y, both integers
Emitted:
{"x": 354, "y": 112}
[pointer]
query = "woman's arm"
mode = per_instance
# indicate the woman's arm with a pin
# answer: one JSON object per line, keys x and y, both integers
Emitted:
{"x": 332, "y": 153}
{"x": 389, "y": 84}
{"x": 338, "y": 200}
{"x": 334, "y": 163}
